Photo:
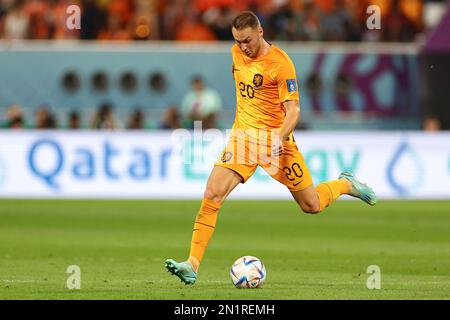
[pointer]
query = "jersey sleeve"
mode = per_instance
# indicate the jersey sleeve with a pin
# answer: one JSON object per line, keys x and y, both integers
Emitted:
{"x": 232, "y": 60}
{"x": 287, "y": 81}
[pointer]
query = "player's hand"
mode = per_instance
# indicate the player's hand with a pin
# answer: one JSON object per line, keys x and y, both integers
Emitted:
{"x": 277, "y": 146}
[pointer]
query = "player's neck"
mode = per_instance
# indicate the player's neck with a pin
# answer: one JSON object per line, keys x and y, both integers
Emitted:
{"x": 263, "y": 50}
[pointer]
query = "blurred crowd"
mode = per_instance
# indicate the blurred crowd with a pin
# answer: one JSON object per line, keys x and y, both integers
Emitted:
{"x": 200, "y": 103}
{"x": 209, "y": 20}
{"x": 191, "y": 20}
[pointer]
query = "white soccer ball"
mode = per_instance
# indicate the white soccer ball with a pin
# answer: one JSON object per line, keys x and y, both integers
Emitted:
{"x": 248, "y": 272}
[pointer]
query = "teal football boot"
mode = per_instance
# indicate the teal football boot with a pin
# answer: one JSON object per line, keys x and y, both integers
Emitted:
{"x": 360, "y": 190}
{"x": 182, "y": 270}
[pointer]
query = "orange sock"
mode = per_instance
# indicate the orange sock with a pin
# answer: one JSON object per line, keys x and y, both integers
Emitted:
{"x": 329, "y": 191}
{"x": 204, "y": 225}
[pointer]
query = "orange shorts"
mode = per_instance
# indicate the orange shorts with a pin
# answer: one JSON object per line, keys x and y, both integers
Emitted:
{"x": 289, "y": 168}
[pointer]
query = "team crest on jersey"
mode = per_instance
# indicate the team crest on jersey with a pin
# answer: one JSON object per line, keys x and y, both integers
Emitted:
{"x": 258, "y": 80}
{"x": 227, "y": 156}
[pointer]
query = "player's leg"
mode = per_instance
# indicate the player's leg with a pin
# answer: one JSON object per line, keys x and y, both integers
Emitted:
{"x": 220, "y": 183}
{"x": 307, "y": 199}
{"x": 230, "y": 169}
{"x": 292, "y": 171}
{"x": 315, "y": 200}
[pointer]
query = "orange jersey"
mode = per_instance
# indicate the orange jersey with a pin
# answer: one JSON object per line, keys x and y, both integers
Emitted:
{"x": 262, "y": 86}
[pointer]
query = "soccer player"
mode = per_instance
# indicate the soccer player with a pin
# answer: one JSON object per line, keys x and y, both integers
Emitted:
{"x": 267, "y": 112}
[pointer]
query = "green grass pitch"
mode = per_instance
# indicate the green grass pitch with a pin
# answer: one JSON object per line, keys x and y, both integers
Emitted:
{"x": 121, "y": 246}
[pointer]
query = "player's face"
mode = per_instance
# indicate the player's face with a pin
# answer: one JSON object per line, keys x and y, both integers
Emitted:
{"x": 248, "y": 40}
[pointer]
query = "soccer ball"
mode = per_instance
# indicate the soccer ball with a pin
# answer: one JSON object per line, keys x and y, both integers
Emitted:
{"x": 248, "y": 272}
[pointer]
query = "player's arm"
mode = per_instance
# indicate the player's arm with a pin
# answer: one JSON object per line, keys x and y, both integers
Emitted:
{"x": 288, "y": 92}
{"x": 291, "y": 119}
{"x": 292, "y": 109}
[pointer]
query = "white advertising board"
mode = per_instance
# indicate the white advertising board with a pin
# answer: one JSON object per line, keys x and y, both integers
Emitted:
{"x": 153, "y": 165}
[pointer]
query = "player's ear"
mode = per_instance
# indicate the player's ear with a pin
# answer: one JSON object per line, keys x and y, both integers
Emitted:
{"x": 260, "y": 31}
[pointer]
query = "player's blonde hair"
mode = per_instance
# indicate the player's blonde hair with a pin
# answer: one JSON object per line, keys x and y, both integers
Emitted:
{"x": 246, "y": 19}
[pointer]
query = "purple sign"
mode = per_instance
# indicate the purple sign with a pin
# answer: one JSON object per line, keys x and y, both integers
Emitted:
{"x": 377, "y": 84}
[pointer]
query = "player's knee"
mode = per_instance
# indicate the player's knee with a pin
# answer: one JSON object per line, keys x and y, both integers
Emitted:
{"x": 214, "y": 194}
{"x": 310, "y": 207}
